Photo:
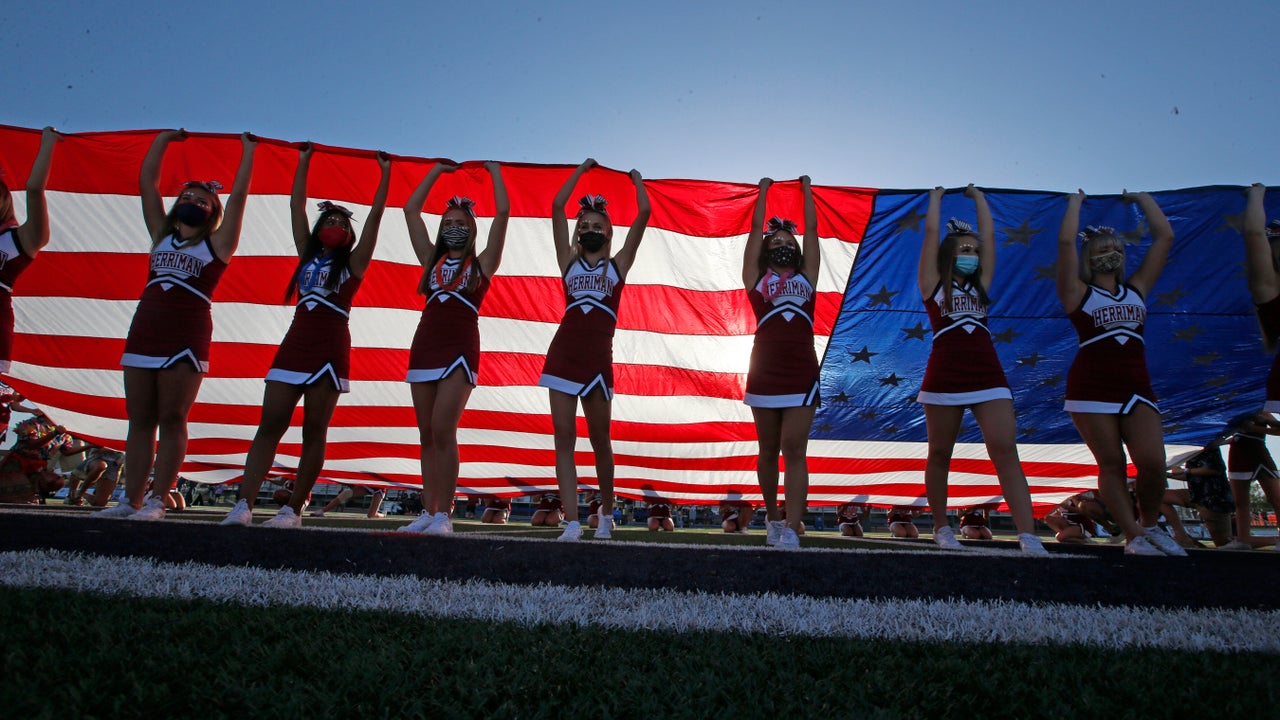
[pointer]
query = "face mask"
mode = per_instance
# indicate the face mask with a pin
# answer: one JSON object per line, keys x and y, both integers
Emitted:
{"x": 1107, "y": 262}
{"x": 455, "y": 237}
{"x": 592, "y": 241}
{"x": 784, "y": 256}
{"x": 966, "y": 265}
{"x": 190, "y": 214}
{"x": 333, "y": 236}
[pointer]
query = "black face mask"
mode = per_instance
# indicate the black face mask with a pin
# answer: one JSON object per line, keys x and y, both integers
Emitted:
{"x": 592, "y": 241}
{"x": 784, "y": 256}
{"x": 190, "y": 214}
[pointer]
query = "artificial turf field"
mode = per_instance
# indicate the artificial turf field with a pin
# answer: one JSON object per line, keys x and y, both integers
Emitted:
{"x": 161, "y": 647}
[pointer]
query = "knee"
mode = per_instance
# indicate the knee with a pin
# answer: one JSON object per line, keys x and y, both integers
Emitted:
{"x": 795, "y": 450}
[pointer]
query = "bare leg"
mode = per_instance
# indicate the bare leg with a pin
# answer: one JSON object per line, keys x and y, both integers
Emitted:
{"x": 177, "y": 388}
{"x": 769, "y": 434}
{"x": 424, "y": 400}
{"x": 451, "y": 398}
{"x": 999, "y": 431}
{"x": 278, "y": 401}
{"x": 942, "y": 423}
{"x": 565, "y": 426}
{"x": 599, "y": 414}
{"x": 1102, "y": 434}
{"x": 796, "y": 424}
{"x": 1144, "y": 437}
{"x": 141, "y": 403}
{"x": 318, "y": 404}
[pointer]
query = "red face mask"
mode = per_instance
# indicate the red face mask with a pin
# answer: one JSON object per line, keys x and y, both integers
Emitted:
{"x": 333, "y": 236}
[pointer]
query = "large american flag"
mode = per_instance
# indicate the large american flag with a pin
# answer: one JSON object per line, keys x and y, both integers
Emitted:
{"x": 680, "y": 430}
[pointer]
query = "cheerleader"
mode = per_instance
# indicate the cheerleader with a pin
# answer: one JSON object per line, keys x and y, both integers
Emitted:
{"x": 313, "y": 363}
{"x": 20, "y": 243}
{"x": 963, "y": 369}
{"x": 579, "y": 366}
{"x": 782, "y": 383}
{"x": 166, "y": 352}
{"x": 445, "y": 354}
{"x": 1109, "y": 391}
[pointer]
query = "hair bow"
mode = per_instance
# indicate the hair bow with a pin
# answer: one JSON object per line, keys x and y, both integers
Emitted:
{"x": 958, "y": 227}
{"x": 465, "y": 204}
{"x": 327, "y": 207}
{"x": 1092, "y": 231}
{"x": 212, "y": 186}
{"x": 592, "y": 203}
{"x": 779, "y": 223}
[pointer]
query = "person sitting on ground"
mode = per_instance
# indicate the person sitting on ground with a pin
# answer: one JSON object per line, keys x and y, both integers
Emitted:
{"x": 496, "y": 511}
{"x": 902, "y": 521}
{"x": 350, "y": 492}
{"x": 849, "y": 518}
{"x": 1070, "y": 523}
{"x": 735, "y": 517}
{"x": 974, "y": 523}
{"x": 594, "y": 503}
{"x": 660, "y": 516}
{"x": 94, "y": 480}
{"x": 549, "y": 512}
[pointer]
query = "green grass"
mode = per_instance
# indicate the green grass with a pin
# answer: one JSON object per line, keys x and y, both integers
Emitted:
{"x": 68, "y": 654}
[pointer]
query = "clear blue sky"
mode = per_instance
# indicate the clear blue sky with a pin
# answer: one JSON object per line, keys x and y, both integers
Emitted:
{"x": 1019, "y": 94}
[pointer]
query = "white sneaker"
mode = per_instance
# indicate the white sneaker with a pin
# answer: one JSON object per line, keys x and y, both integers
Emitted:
{"x": 572, "y": 532}
{"x": 441, "y": 524}
{"x": 1236, "y": 545}
{"x": 605, "y": 530}
{"x": 1140, "y": 546}
{"x": 317, "y": 513}
{"x": 152, "y": 509}
{"x": 788, "y": 540}
{"x": 1162, "y": 542}
{"x": 773, "y": 531}
{"x": 945, "y": 538}
{"x": 241, "y": 514}
{"x": 117, "y": 512}
{"x": 419, "y": 525}
{"x": 286, "y": 518}
{"x": 1031, "y": 544}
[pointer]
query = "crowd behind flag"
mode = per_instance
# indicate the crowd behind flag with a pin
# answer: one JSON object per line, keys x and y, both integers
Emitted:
{"x": 684, "y": 336}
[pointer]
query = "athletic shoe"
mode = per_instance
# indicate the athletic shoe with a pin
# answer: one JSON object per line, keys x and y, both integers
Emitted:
{"x": 317, "y": 513}
{"x": 773, "y": 531}
{"x": 117, "y": 512}
{"x": 241, "y": 514}
{"x": 788, "y": 540}
{"x": 1031, "y": 545}
{"x": 440, "y": 524}
{"x": 286, "y": 518}
{"x": 945, "y": 538}
{"x": 152, "y": 509}
{"x": 1141, "y": 546}
{"x": 605, "y": 529}
{"x": 1163, "y": 542}
{"x": 1236, "y": 545}
{"x": 572, "y": 532}
{"x": 419, "y": 525}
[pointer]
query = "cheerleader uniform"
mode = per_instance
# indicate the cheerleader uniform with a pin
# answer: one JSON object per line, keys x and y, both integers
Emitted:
{"x": 173, "y": 322}
{"x": 580, "y": 358}
{"x": 1248, "y": 459}
{"x": 784, "y": 366}
{"x": 1109, "y": 373}
{"x": 1269, "y": 317}
{"x": 12, "y": 262}
{"x": 848, "y": 514}
{"x": 963, "y": 366}
{"x": 318, "y": 344}
{"x": 973, "y": 517}
{"x": 448, "y": 335}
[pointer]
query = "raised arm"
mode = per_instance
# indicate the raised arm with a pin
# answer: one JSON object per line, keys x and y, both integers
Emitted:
{"x": 34, "y": 233}
{"x": 362, "y": 253}
{"x": 419, "y": 236}
{"x": 225, "y": 239}
{"x": 1260, "y": 267}
{"x": 298, "y": 199}
{"x": 812, "y": 250}
{"x": 559, "y": 222}
{"x": 986, "y": 234}
{"x": 927, "y": 274}
{"x": 625, "y": 257}
{"x": 149, "y": 182}
{"x": 755, "y": 239}
{"x": 492, "y": 255}
{"x": 1144, "y": 278}
{"x": 1070, "y": 288}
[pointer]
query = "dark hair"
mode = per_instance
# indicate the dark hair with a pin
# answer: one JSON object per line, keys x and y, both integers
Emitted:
{"x": 337, "y": 266}
{"x": 946, "y": 270}
{"x": 170, "y": 225}
{"x": 6, "y": 202}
